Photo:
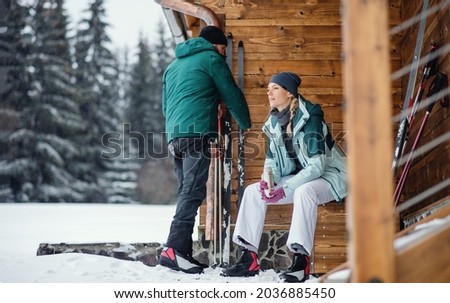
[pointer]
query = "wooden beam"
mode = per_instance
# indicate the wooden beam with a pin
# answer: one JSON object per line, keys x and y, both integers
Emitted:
{"x": 426, "y": 259}
{"x": 440, "y": 213}
{"x": 368, "y": 123}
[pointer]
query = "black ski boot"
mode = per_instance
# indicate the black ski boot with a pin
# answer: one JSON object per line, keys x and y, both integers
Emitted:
{"x": 298, "y": 272}
{"x": 176, "y": 260}
{"x": 246, "y": 266}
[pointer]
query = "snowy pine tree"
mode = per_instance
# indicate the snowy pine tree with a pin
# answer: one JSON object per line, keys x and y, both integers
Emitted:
{"x": 15, "y": 93}
{"x": 143, "y": 95}
{"x": 157, "y": 183}
{"x": 97, "y": 80}
{"x": 55, "y": 117}
{"x": 164, "y": 50}
{"x": 42, "y": 154}
{"x": 64, "y": 132}
{"x": 123, "y": 164}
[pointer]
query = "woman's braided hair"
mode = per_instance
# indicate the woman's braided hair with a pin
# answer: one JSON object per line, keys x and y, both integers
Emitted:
{"x": 293, "y": 109}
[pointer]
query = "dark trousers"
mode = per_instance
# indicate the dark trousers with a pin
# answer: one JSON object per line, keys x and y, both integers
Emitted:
{"x": 192, "y": 159}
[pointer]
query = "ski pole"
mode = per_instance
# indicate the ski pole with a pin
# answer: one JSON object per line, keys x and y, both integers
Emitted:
{"x": 241, "y": 147}
{"x": 209, "y": 217}
{"x": 219, "y": 180}
{"x": 429, "y": 70}
{"x": 227, "y": 163}
{"x": 439, "y": 82}
{"x": 216, "y": 210}
{"x": 402, "y": 128}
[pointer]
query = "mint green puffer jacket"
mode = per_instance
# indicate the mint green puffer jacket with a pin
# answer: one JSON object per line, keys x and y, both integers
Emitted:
{"x": 317, "y": 152}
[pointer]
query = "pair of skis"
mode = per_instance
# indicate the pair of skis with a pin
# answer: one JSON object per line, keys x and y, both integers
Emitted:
{"x": 405, "y": 123}
{"x": 439, "y": 82}
{"x": 220, "y": 173}
{"x": 429, "y": 70}
{"x": 411, "y": 105}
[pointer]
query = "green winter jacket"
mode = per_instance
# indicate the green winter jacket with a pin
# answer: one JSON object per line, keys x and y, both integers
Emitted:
{"x": 193, "y": 84}
{"x": 317, "y": 152}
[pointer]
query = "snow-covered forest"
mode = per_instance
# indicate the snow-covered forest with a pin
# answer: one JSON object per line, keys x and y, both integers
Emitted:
{"x": 79, "y": 121}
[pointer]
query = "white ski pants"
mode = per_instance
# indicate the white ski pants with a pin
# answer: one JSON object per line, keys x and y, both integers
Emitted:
{"x": 306, "y": 198}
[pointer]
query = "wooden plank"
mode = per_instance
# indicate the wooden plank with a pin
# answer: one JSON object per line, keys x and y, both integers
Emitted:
{"x": 304, "y": 13}
{"x": 430, "y": 163}
{"x": 435, "y": 171}
{"x": 332, "y": 114}
{"x": 293, "y": 55}
{"x": 326, "y": 11}
{"x": 440, "y": 212}
{"x": 433, "y": 247}
{"x": 437, "y": 125}
{"x": 279, "y": 215}
{"x": 306, "y": 68}
{"x": 327, "y": 260}
{"x": 368, "y": 116}
{"x": 304, "y": 90}
{"x": 259, "y": 73}
{"x": 290, "y": 42}
{"x": 325, "y": 100}
{"x": 437, "y": 156}
{"x": 295, "y": 39}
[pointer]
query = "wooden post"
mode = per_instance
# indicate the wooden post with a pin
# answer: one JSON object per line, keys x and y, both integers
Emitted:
{"x": 368, "y": 123}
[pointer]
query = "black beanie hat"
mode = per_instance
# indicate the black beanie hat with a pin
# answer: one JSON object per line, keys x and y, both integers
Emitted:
{"x": 289, "y": 81}
{"x": 213, "y": 34}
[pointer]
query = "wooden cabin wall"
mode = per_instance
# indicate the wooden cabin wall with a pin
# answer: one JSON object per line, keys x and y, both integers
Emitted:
{"x": 431, "y": 167}
{"x": 299, "y": 36}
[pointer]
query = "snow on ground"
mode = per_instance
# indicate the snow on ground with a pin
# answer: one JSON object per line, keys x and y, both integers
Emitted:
{"x": 75, "y": 277}
{"x": 24, "y": 226}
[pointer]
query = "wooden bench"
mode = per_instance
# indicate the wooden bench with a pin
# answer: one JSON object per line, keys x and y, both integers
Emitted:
{"x": 330, "y": 241}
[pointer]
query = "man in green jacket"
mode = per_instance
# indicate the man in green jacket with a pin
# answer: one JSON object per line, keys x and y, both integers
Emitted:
{"x": 193, "y": 85}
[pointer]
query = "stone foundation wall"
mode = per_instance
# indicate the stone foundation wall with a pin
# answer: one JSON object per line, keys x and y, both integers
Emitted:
{"x": 147, "y": 253}
{"x": 273, "y": 253}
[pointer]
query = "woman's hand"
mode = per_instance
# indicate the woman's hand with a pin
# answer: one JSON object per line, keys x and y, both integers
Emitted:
{"x": 274, "y": 196}
{"x": 263, "y": 186}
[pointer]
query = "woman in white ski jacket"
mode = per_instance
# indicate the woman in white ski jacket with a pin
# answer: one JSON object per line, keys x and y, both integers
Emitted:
{"x": 308, "y": 169}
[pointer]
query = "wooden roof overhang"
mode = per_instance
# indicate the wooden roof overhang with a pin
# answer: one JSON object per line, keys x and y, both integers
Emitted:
{"x": 185, "y": 18}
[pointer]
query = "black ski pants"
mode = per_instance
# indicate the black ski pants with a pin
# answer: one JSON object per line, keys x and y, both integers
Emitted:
{"x": 192, "y": 159}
